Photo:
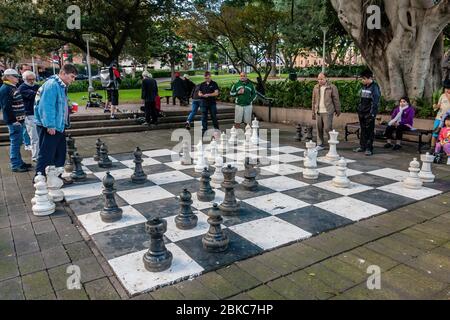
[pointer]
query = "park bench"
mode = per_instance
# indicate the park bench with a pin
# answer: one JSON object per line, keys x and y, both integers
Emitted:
{"x": 354, "y": 128}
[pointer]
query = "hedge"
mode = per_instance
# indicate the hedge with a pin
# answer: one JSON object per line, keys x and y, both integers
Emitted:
{"x": 336, "y": 71}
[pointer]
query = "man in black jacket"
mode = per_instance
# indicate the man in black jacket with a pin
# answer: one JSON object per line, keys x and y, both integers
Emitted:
{"x": 178, "y": 90}
{"x": 149, "y": 93}
{"x": 189, "y": 87}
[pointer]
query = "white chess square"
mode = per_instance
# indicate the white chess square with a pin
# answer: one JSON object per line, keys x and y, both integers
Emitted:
{"x": 117, "y": 174}
{"x": 389, "y": 173}
{"x": 270, "y": 232}
{"x": 281, "y": 183}
{"x": 350, "y": 208}
{"x": 288, "y": 149}
{"x": 285, "y": 158}
{"x": 276, "y": 203}
{"x": 90, "y": 161}
{"x": 145, "y": 194}
{"x": 93, "y": 223}
{"x": 159, "y": 153}
{"x": 325, "y": 160}
{"x": 331, "y": 171}
{"x": 353, "y": 189}
{"x": 199, "y": 205}
{"x": 416, "y": 194}
{"x": 83, "y": 191}
{"x": 86, "y": 170}
{"x": 174, "y": 234}
{"x": 135, "y": 278}
{"x": 282, "y": 169}
{"x": 145, "y": 162}
{"x": 178, "y": 166}
{"x": 168, "y": 177}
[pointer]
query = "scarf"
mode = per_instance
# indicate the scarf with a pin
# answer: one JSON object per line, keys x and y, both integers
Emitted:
{"x": 398, "y": 117}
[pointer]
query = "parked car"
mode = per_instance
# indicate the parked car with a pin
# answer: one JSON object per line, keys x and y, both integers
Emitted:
{"x": 81, "y": 76}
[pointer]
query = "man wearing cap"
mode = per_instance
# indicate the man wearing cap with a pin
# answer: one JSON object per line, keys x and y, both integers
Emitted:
{"x": 11, "y": 103}
{"x": 149, "y": 93}
{"x": 208, "y": 92}
{"x": 245, "y": 94}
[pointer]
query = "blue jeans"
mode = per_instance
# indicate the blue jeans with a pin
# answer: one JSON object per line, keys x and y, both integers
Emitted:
{"x": 26, "y": 137}
{"x": 195, "y": 105}
{"x": 16, "y": 139}
{"x": 205, "y": 109}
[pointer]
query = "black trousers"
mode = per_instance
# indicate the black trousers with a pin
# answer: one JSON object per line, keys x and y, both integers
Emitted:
{"x": 151, "y": 114}
{"x": 398, "y": 131}
{"x": 367, "y": 124}
{"x": 182, "y": 100}
{"x": 52, "y": 149}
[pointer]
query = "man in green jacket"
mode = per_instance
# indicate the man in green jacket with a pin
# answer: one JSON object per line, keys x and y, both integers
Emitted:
{"x": 245, "y": 94}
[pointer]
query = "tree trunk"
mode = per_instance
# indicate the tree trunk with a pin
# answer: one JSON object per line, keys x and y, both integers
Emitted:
{"x": 406, "y": 54}
{"x": 172, "y": 69}
{"x": 273, "y": 57}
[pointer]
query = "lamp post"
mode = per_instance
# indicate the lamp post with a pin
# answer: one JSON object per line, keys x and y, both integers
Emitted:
{"x": 87, "y": 38}
{"x": 324, "y": 30}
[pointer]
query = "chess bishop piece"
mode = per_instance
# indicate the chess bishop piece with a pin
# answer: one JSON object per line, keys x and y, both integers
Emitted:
{"x": 186, "y": 219}
{"x": 425, "y": 174}
{"x": 43, "y": 205}
{"x": 233, "y": 137}
{"x": 206, "y": 193}
{"x": 54, "y": 184}
{"x": 341, "y": 180}
{"x": 229, "y": 206}
{"x": 186, "y": 159}
{"x": 98, "y": 145}
{"x": 111, "y": 211}
{"x": 77, "y": 174}
{"x": 138, "y": 175}
{"x": 413, "y": 181}
{"x": 310, "y": 171}
{"x": 250, "y": 174}
{"x": 157, "y": 258}
{"x": 332, "y": 154}
{"x": 105, "y": 161}
{"x": 215, "y": 240}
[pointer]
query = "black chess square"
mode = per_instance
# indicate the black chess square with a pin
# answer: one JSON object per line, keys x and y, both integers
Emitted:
{"x": 92, "y": 204}
{"x": 126, "y": 156}
{"x": 156, "y": 168}
{"x": 90, "y": 178}
{"x": 127, "y": 184}
{"x": 246, "y": 213}
{"x": 383, "y": 199}
{"x": 115, "y": 166}
{"x": 177, "y": 187}
{"x": 371, "y": 180}
{"x": 168, "y": 158}
{"x": 160, "y": 208}
{"x": 312, "y": 194}
{"x": 243, "y": 194}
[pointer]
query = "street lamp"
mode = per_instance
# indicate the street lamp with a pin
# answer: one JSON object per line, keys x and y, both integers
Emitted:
{"x": 87, "y": 38}
{"x": 324, "y": 30}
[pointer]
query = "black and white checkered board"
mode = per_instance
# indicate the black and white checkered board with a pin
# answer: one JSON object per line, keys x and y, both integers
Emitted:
{"x": 286, "y": 208}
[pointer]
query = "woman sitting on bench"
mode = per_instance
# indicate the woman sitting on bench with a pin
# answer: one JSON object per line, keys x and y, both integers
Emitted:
{"x": 402, "y": 120}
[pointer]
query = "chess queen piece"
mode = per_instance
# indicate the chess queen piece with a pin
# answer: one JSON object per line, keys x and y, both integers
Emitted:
{"x": 255, "y": 126}
{"x": 206, "y": 193}
{"x": 229, "y": 206}
{"x": 332, "y": 154}
{"x": 341, "y": 180}
{"x": 186, "y": 219}
{"x": 111, "y": 211}
{"x": 54, "y": 184}
{"x": 77, "y": 174}
{"x": 425, "y": 174}
{"x": 105, "y": 161}
{"x": 157, "y": 258}
{"x": 138, "y": 175}
{"x": 43, "y": 205}
{"x": 413, "y": 181}
{"x": 215, "y": 240}
{"x": 310, "y": 162}
{"x": 250, "y": 174}
{"x": 186, "y": 159}
{"x": 98, "y": 145}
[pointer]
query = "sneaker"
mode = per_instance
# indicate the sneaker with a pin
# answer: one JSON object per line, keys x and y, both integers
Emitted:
{"x": 368, "y": 153}
{"x": 20, "y": 169}
{"x": 320, "y": 148}
{"x": 187, "y": 126}
{"x": 113, "y": 117}
{"x": 28, "y": 148}
{"x": 397, "y": 147}
{"x": 388, "y": 145}
{"x": 359, "y": 150}
{"x": 27, "y": 165}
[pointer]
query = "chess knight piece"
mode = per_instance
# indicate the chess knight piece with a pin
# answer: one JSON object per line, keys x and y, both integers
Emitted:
{"x": 215, "y": 240}
{"x": 157, "y": 258}
{"x": 111, "y": 211}
{"x": 54, "y": 184}
{"x": 186, "y": 219}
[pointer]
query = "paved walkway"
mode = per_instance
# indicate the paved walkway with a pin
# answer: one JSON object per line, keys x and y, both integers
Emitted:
{"x": 410, "y": 245}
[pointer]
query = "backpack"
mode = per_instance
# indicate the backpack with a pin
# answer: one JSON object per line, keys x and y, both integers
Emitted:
{"x": 105, "y": 77}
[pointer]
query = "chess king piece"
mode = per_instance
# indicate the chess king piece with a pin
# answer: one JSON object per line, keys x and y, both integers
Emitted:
{"x": 310, "y": 162}
{"x": 229, "y": 206}
{"x": 206, "y": 193}
{"x": 138, "y": 175}
{"x": 213, "y": 152}
{"x": 43, "y": 205}
{"x": 341, "y": 180}
{"x": 105, "y": 161}
{"x": 186, "y": 159}
{"x": 111, "y": 211}
{"x": 215, "y": 240}
{"x": 413, "y": 181}
{"x": 54, "y": 184}
{"x": 201, "y": 161}
{"x": 98, "y": 145}
{"x": 77, "y": 174}
{"x": 250, "y": 174}
{"x": 157, "y": 258}
{"x": 186, "y": 219}
{"x": 298, "y": 134}
{"x": 332, "y": 154}
{"x": 217, "y": 177}
{"x": 425, "y": 174}
{"x": 255, "y": 126}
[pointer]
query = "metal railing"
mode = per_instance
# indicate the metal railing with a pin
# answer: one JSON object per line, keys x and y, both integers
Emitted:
{"x": 266, "y": 101}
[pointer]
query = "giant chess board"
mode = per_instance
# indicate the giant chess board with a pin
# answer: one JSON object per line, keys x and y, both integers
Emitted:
{"x": 286, "y": 208}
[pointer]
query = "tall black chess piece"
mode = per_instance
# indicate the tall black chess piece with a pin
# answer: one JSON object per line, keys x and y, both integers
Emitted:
{"x": 138, "y": 175}
{"x": 206, "y": 193}
{"x": 98, "y": 145}
{"x": 250, "y": 174}
{"x": 215, "y": 240}
{"x": 77, "y": 174}
{"x": 186, "y": 219}
{"x": 307, "y": 133}
{"x": 105, "y": 161}
{"x": 111, "y": 211}
{"x": 157, "y": 258}
{"x": 229, "y": 206}
{"x": 298, "y": 134}
{"x": 70, "y": 143}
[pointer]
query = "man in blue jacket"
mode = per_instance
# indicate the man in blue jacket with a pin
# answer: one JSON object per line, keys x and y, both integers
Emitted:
{"x": 51, "y": 114}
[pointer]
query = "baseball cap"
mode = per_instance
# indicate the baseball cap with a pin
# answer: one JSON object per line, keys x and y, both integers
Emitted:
{"x": 10, "y": 72}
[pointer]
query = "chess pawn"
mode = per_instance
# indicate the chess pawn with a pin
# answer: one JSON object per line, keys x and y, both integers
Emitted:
{"x": 105, "y": 161}
{"x": 111, "y": 211}
{"x": 213, "y": 152}
{"x": 186, "y": 157}
{"x": 255, "y": 126}
{"x": 310, "y": 171}
{"x": 229, "y": 206}
{"x": 215, "y": 240}
{"x": 39, "y": 177}
{"x": 77, "y": 174}
{"x": 98, "y": 145}
{"x": 332, "y": 154}
{"x": 43, "y": 205}
{"x": 138, "y": 175}
{"x": 206, "y": 193}
{"x": 250, "y": 174}
{"x": 186, "y": 219}
{"x": 425, "y": 174}
{"x": 341, "y": 180}
{"x": 217, "y": 177}
{"x": 413, "y": 181}
{"x": 54, "y": 184}
{"x": 157, "y": 258}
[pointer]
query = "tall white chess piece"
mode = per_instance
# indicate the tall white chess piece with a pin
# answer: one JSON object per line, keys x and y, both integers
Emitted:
{"x": 255, "y": 126}
{"x": 310, "y": 171}
{"x": 425, "y": 174}
{"x": 213, "y": 152}
{"x": 332, "y": 154}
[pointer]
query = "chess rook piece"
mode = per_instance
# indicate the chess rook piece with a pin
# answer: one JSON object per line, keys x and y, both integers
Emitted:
{"x": 186, "y": 219}
{"x": 250, "y": 174}
{"x": 413, "y": 181}
{"x": 138, "y": 175}
{"x": 157, "y": 258}
{"x": 332, "y": 154}
{"x": 229, "y": 206}
{"x": 255, "y": 126}
{"x": 111, "y": 211}
{"x": 341, "y": 180}
{"x": 54, "y": 184}
{"x": 215, "y": 240}
{"x": 77, "y": 174}
{"x": 425, "y": 174}
{"x": 310, "y": 171}
{"x": 298, "y": 134}
{"x": 217, "y": 177}
{"x": 105, "y": 161}
{"x": 98, "y": 145}
{"x": 206, "y": 193}
{"x": 186, "y": 159}
{"x": 43, "y": 205}
{"x": 213, "y": 152}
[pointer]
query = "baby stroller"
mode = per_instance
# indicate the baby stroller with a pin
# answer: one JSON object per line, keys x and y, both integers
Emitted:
{"x": 95, "y": 101}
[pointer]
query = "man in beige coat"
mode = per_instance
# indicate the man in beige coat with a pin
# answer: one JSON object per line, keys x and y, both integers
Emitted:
{"x": 325, "y": 104}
